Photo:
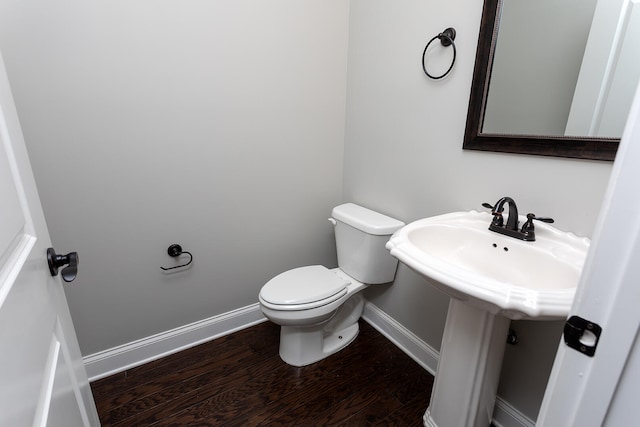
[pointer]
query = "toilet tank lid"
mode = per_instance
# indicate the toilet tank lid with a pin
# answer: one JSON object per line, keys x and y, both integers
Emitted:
{"x": 366, "y": 220}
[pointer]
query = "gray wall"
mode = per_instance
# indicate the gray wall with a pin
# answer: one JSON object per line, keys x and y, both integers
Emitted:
{"x": 404, "y": 157}
{"x": 218, "y": 125}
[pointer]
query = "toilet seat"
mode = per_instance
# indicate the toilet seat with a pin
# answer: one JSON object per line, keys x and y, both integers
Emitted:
{"x": 303, "y": 288}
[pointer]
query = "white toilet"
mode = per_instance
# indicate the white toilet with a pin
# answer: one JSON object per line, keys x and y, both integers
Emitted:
{"x": 318, "y": 309}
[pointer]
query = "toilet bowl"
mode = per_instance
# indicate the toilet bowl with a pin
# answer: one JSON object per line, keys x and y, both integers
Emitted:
{"x": 318, "y": 308}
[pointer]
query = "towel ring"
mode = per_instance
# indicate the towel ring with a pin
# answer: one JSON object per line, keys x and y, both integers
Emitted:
{"x": 446, "y": 38}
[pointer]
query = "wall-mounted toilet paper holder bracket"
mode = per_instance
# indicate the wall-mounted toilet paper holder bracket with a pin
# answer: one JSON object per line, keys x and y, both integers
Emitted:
{"x": 174, "y": 251}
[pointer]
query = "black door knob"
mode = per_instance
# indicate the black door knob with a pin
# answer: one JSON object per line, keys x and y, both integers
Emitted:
{"x": 56, "y": 261}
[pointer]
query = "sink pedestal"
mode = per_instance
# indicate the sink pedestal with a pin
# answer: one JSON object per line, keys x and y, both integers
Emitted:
{"x": 466, "y": 381}
{"x": 484, "y": 273}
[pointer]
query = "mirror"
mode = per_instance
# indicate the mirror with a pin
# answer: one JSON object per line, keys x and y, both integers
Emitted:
{"x": 571, "y": 102}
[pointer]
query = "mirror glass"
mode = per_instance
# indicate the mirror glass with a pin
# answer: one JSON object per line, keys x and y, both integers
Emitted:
{"x": 554, "y": 77}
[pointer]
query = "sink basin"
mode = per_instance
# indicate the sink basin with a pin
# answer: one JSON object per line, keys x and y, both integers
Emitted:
{"x": 458, "y": 254}
{"x": 491, "y": 278}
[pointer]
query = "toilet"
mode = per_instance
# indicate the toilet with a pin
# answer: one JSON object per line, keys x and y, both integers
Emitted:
{"x": 318, "y": 308}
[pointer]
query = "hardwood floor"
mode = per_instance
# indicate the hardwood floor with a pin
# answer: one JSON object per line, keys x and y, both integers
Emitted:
{"x": 239, "y": 380}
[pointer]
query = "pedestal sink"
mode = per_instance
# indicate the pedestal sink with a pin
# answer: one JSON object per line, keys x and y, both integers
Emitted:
{"x": 491, "y": 279}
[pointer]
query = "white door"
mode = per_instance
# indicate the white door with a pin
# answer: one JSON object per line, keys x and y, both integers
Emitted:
{"x": 603, "y": 390}
{"x": 42, "y": 378}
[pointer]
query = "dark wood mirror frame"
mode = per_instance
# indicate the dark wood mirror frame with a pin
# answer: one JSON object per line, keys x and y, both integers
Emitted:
{"x": 474, "y": 139}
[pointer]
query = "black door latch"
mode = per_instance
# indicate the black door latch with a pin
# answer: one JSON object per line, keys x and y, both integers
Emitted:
{"x": 582, "y": 335}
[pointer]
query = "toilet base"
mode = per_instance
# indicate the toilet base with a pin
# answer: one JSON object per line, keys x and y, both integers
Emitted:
{"x": 302, "y": 348}
{"x": 304, "y": 345}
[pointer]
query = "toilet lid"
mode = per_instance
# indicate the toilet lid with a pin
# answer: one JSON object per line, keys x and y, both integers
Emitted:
{"x": 303, "y": 285}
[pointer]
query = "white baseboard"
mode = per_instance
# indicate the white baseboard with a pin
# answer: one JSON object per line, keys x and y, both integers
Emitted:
{"x": 425, "y": 355}
{"x": 504, "y": 414}
{"x": 123, "y": 357}
{"x": 118, "y": 359}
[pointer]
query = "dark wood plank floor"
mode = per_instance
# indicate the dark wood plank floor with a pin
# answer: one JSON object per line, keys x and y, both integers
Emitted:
{"x": 239, "y": 380}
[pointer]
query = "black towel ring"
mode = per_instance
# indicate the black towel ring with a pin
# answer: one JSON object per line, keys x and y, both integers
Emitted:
{"x": 175, "y": 250}
{"x": 446, "y": 38}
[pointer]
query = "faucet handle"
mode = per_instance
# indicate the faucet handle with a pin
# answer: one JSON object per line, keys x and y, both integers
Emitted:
{"x": 497, "y": 215}
{"x": 528, "y": 226}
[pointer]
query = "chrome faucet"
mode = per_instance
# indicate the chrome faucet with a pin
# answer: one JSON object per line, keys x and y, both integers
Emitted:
{"x": 527, "y": 232}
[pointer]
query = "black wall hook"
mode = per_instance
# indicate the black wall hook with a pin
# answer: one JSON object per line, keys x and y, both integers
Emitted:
{"x": 175, "y": 250}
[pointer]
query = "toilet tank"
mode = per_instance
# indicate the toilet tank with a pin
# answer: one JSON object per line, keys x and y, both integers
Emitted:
{"x": 360, "y": 238}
